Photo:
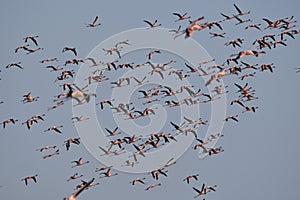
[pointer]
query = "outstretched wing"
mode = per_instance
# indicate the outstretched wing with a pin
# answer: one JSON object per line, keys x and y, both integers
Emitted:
{"x": 149, "y": 23}
{"x": 237, "y": 8}
{"x": 34, "y": 41}
{"x": 95, "y": 20}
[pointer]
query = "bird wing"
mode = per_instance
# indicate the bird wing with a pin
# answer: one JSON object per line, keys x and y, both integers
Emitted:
{"x": 115, "y": 130}
{"x": 149, "y": 23}
{"x": 52, "y": 67}
{"x": 106, "y": 152}
{"x": 28, "y": 123}
{"x": 177, "y": 14}
{"x": 74, "y": 51}
{"x": 291, "y": 35}
{"x": 235, "y": 119}
{"x": 199, "y": 140}
{"x": 271, "y": 69}
{"x": 109, "y": 131}
{"x": 195, "y": 177}
{"x": 34, "y": 41}
{"x": 187, "y": 119}
{"x": 239, "y": 19}
{"x": 137, "y": 80}
{"x": 188, "y": 66}
{"x": 39, "y": 117}
{"x": 239, "y": 102}
{"x": 196, "y": 190}
{"x": 34, "y": 179}
{"x": 169, "y": 88}
{"x": 163, "y": 173}
{"x": 175, "y": 125}
{"x": 19, "y": 66}
{"x": 161, "y": 74}
{"x": 143, "y": 79}
{"x": 142, "y": 91}
{"x": 136, "y": 147}
{"x": 198, "y": 20}
{"x": 151, "y": 65}
{"x": 237, "y": 8}
{"x": 92, "y": 60}
{"x": 118, "y": 52}
{"x": 219, "y": 25}
{"x": 203, "y": 187}
{"x": 237, "y": 85}
{"x": 207, "y": 95}
{"x": 102, "y": 105}
{"x": 95, "y": 20}
{"x": 268, "y": 21}
{"x": 57, "y": 130}
{"x": 188, "y": 180}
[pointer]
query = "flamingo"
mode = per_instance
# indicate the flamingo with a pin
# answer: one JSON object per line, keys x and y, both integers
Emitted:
{"x": 57, "y": 68}
{"x": 153, "y": 186}
{"x": 11, "y": 120}
{"x": 240, "y": 12}
{"x": 51, "y": 154}
{"x": 74, "y": 176}
{"x": 79, "y": 118}
{"x": 95, "y": 23}
{"x": 28, "y": 178}
{"x": 217, "y": 35}
{"x": 48, "y": 60}
{"x": 114, "y": 132}
{"x": 70, "y": 141}
{"x": 249, "y": 52}
{"x": 235, "y": 42}
{"x": 152, "y": 24}
{"x": 108, "y": 173}
{"x": 257, "y": 26}
{"x": 79, "y": 162}
{"x": 54, "y": 128}
{"x": 16, "y": 64}
{"x": 232, "y": 117}
{"x": 29, "y": 98}
{"x": 140, "y": 180}
{"x": 194, "y": 176}
{"x": 73, "y": 49}
{"x": 45, "y": 148}
{"x": 181, "y": 16}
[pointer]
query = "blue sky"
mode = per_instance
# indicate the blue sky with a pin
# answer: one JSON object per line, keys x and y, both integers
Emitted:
{"x": 261, "y": 155}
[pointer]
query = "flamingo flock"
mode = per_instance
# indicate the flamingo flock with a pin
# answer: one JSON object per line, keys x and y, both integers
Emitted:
{"x": 243, "y": 64}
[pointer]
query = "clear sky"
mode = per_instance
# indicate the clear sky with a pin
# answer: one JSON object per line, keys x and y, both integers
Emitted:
{"x": 261, "y": 158}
